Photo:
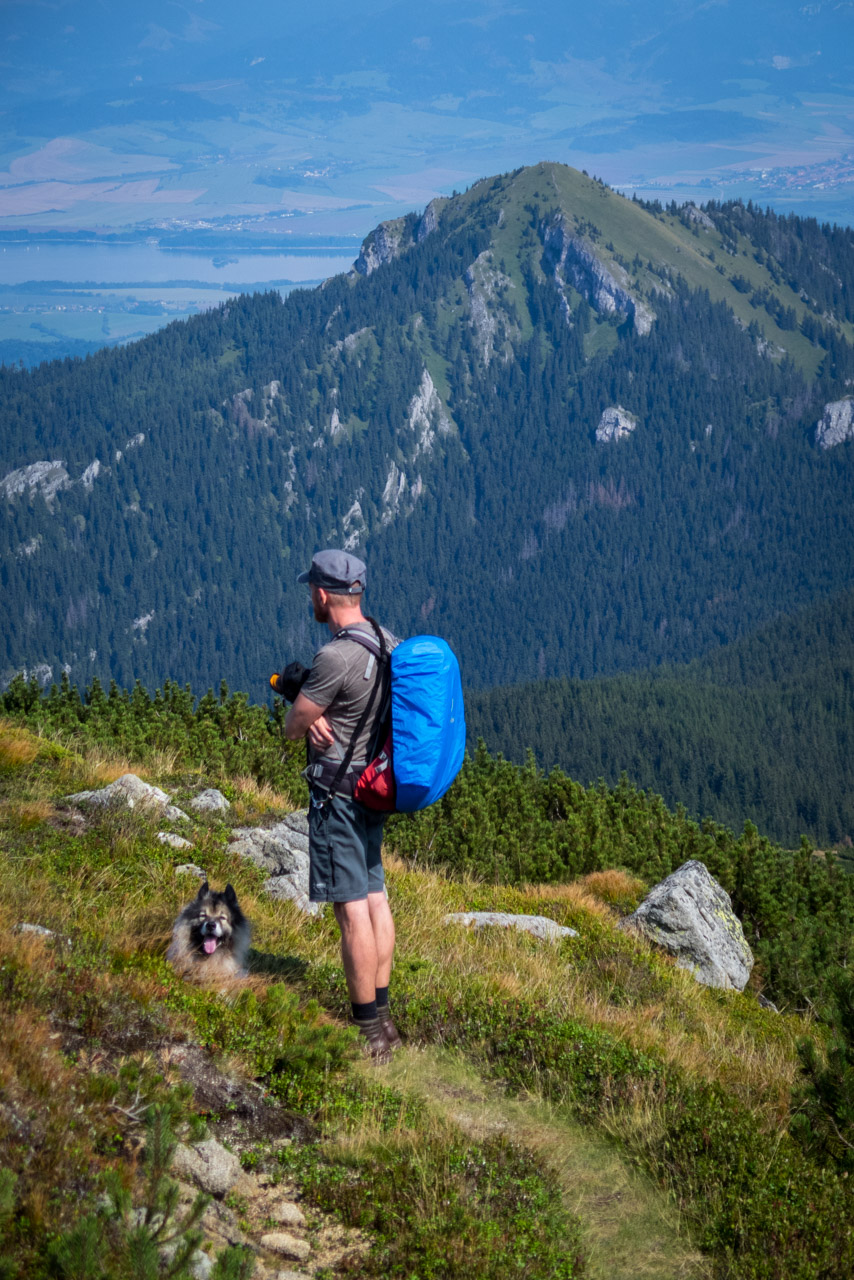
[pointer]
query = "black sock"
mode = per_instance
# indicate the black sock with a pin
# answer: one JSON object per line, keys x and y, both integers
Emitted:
{"x": 382, "y": 996}
{"x": 364, "y": 1012}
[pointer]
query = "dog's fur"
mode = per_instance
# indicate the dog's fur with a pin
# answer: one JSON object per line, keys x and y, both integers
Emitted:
{"x": 210, "y": 939}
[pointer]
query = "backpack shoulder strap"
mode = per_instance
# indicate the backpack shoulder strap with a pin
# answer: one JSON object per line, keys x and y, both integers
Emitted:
{"x": 377, "y": 646}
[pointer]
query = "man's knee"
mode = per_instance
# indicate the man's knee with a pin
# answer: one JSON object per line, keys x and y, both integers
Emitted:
{"x": 352, "y": 915}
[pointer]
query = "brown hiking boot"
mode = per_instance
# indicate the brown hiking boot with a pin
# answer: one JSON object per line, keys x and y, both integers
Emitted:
{"x": 375, "y": 1043}
{"x": 392, "y": 1034}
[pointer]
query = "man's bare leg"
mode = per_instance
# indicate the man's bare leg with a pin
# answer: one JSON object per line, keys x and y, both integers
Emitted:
{"x": 358, "y": 949}
{"x": 383, "y": 927}
{"x": 367, "y": 948}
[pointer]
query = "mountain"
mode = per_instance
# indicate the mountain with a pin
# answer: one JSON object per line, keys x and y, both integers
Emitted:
{"x": 759, "y": 730}
{"x": 572, "y": 433}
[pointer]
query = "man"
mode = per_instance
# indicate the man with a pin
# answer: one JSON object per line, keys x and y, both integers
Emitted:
{"x": 345, "y": 838}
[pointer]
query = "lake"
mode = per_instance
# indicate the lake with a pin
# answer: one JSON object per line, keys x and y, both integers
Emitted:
{"x": 116, "y": 264}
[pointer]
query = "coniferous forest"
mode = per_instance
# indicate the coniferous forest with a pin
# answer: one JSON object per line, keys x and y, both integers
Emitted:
{"x": 575, "y": 434}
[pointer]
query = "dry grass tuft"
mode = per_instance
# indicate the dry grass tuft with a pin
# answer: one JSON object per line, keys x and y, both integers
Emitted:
{"x": 575, "y": 895}
{"x": 18, "y": 748}
{"x": 257, "y": 798}
{"x": 617, "y": 888}
{"x": 27, "y": 815}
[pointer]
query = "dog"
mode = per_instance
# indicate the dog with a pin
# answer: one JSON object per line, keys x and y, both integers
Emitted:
{"x": 210, "y": 938}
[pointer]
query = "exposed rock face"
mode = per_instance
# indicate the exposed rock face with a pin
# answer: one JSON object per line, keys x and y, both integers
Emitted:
{"x": 210, "y": 801}
{"x": 427, "y": 416}
{"x": 385, "y": 243}
{"x": 539, "y": 926}
{"x": 491, "y": 321}
{"x": 209, "y": 1165}
{"x": 281, "y": 851}
{"x": 615, "y": 424}
{"x": 49, "y": 478}
{"x": 691, "y": 916}
{"x": 429, "y": 220}
{"x": 574, "y": 259}
{"x": 90, "y": 475}
{"x": 836, "y": 424}
{"x": 354, "y": 524}
{"x": 698, "y": 216}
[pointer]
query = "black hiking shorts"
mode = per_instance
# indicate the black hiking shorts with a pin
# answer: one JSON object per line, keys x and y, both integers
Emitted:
{"x": 344, "y": 848}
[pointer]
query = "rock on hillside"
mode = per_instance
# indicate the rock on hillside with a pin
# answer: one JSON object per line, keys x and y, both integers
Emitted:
{"x": 691, "y": 916}
{"x": 836, "y": 424}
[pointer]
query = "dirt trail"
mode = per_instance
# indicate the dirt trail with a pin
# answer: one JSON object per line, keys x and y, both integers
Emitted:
{"x": 631, "y": 1229}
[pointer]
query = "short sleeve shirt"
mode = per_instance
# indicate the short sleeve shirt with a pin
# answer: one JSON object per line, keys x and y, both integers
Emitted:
{"x": 343, "y": 674}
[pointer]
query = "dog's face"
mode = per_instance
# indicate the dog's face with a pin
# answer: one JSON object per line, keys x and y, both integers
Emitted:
{"x": 211, "y": 936}
{"x": 213, "y": 918}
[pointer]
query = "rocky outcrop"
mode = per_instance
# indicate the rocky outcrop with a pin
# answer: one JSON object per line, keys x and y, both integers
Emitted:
{"x": 490, "y": 319}
{"x": 46, "y": 478}
{"x": 615, "y": 424}
{"x": 836, "y": 424}
{"x": 427, "y": 416}
{"x": 539, "y": 926}
{"x": 281, "y": 851}
{"x": 128, "y": 792}
{"x": 699, "y": 216}
{"x": 399, "y": 494}
{"x": 691, "y": 916}
{"x": 574, "y": 261}
{"x": 430, "y": 218}
{"x": 90, "y": 475}
{"x": 354, "y": 524}
{"x": 385, "y": 243}
{"x": 390, "y": 239}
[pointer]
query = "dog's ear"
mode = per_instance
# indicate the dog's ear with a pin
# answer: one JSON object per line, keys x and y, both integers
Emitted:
{"x": 230, "y": 896}
{"x": 203, "y": 889}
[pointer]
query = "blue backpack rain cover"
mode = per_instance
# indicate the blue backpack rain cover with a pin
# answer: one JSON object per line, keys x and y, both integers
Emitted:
{"x": 428, "y": 721}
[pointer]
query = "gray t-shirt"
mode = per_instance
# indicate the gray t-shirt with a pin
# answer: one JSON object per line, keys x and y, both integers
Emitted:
{"x": 343, "y": 674}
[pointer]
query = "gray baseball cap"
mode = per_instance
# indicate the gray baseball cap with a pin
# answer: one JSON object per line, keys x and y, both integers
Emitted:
{"x": 336, "y": 571}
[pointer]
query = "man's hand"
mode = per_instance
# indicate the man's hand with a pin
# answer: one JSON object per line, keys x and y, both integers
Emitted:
{"x": 306, "y": 717}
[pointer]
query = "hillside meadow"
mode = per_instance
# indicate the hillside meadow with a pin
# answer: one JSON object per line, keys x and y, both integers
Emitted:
{"x": 597, "y": 1068}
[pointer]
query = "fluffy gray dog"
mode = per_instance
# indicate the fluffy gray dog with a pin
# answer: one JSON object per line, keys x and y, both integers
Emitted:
{"x": 210, "y": 938}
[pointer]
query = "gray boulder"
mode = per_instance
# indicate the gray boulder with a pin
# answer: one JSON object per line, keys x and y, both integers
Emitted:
{"x": 210, "y": 801}
{"x": 539, "y": 926}
{"x": 281, "y": 851}
{"x": 691, "y": 916}
{"x": 127, "y": 792}
{"x": 208, "y": 1164}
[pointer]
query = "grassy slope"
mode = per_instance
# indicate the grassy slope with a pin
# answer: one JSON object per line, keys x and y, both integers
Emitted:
{"x": 600, "y": 1024}
{"x": 626, "y": 229}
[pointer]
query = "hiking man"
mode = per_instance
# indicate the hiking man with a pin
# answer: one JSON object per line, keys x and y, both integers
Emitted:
{"x": 339, "y": 710}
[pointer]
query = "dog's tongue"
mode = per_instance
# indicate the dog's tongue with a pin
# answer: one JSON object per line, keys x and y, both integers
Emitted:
{"x": 209, "y": 945}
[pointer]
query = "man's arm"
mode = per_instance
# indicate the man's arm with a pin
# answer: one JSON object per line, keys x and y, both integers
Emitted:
{"x": 306, "y": 717}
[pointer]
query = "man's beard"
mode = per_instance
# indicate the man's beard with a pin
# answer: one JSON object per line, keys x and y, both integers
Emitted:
{"x": 321, "y": 611}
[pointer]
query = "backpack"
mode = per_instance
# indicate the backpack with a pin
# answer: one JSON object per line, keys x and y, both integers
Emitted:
{"x": 422, "y": 728}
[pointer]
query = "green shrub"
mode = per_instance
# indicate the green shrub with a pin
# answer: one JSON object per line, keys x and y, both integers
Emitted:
{"x": 441, "y": 1206}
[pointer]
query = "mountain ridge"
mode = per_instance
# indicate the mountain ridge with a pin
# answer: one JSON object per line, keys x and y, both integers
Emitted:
{"x": 441, "y": 413}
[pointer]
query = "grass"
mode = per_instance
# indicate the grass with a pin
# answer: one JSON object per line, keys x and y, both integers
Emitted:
{"x": 610, "y": 1056}
{"x": 617, "y": 1206}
